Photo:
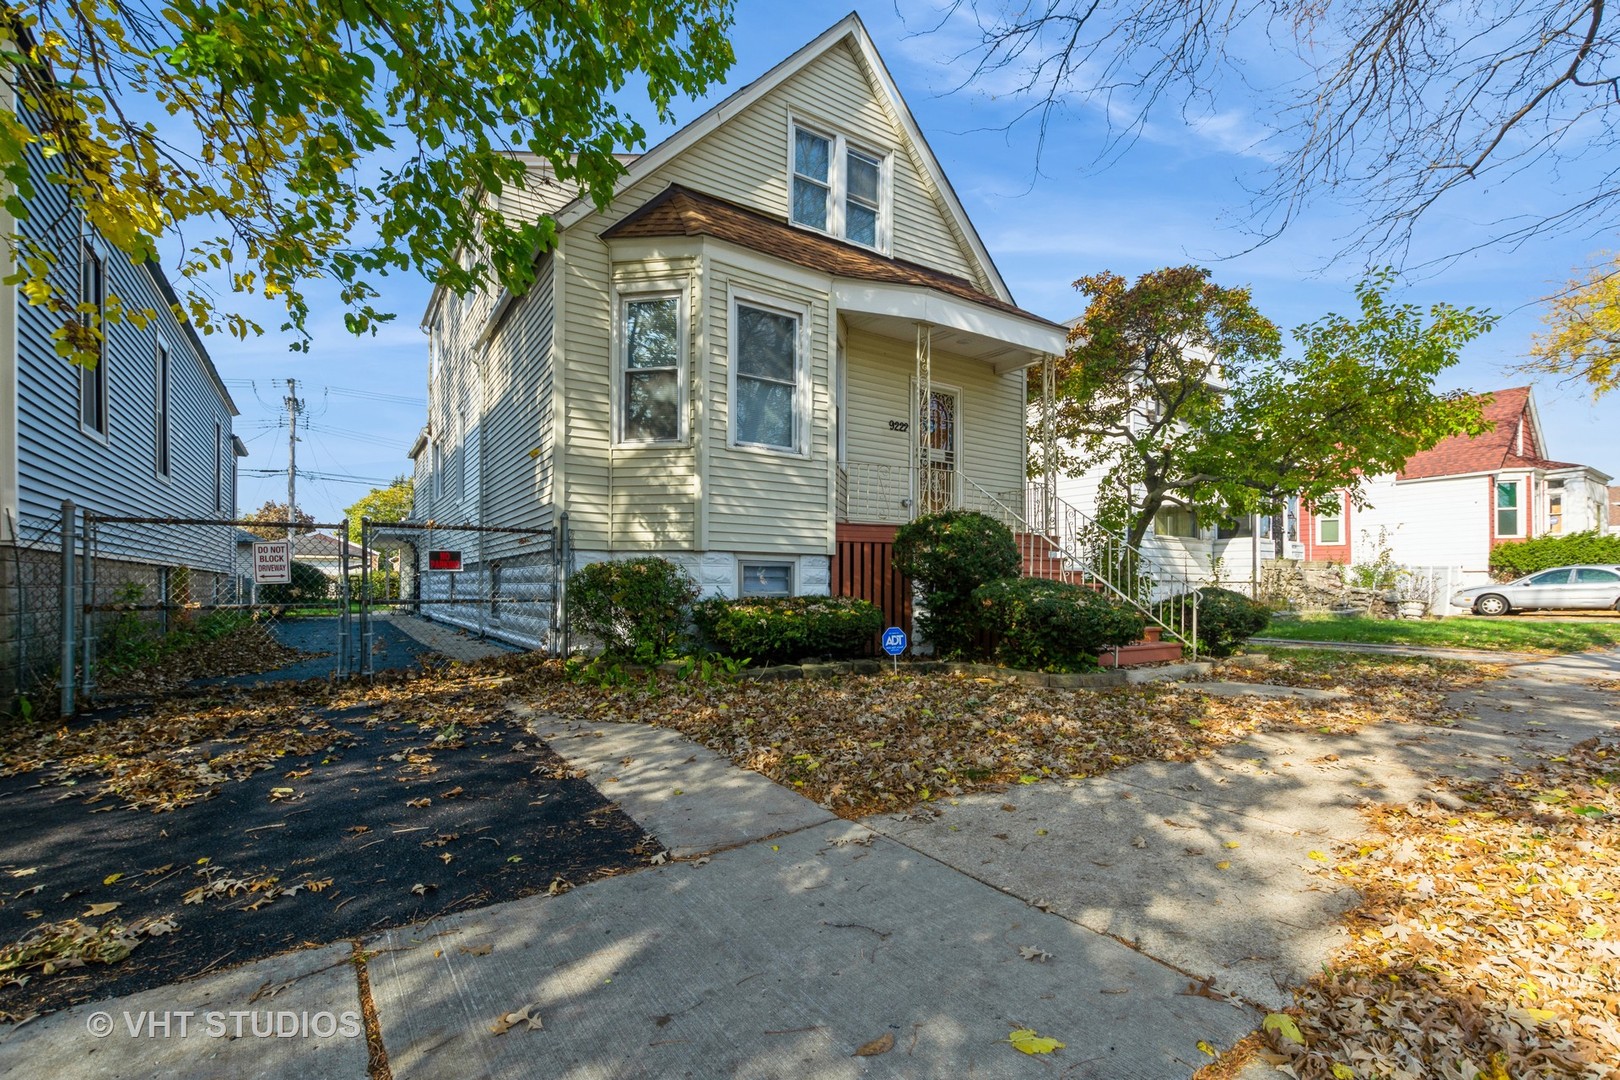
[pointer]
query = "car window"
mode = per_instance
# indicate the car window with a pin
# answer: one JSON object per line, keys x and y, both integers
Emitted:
{"x": 1551, "y": 577}
{"x": 1589, "y": 576}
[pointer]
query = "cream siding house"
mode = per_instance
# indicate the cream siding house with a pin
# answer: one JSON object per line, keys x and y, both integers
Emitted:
{"x": 781, "y": 340}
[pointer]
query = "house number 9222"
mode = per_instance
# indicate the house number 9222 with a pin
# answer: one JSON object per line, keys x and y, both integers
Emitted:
{"x": 899, "y": 425}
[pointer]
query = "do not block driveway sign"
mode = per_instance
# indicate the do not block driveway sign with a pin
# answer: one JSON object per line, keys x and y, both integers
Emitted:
{"x": 272, "y": 563}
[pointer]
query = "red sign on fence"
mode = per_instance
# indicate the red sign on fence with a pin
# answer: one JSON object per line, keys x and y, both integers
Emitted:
{"x": 444, "y": 560}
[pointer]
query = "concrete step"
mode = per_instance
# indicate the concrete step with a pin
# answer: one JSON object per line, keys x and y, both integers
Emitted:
{"x": 1143, "y": 652}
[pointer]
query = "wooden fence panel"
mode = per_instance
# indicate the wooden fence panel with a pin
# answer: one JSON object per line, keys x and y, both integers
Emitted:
{"x": 864, "y": 568}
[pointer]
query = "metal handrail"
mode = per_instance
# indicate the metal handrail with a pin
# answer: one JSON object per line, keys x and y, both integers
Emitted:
{"x": 1166, "y": 598}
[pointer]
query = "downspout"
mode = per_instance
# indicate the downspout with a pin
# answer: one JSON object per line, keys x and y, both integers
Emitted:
{"x": 924, "y": 414}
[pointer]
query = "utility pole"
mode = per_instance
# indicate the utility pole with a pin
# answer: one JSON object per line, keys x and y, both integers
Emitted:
{"x": 293, "y": 406}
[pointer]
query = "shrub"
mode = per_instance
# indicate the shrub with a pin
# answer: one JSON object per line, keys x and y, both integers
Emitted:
{"x": 1052, "y": 625}
{"x": 308, "y": 586}
{"x": 776, "y": 629}
{"x": 1514, "y": 560}
{"x": 948, "y": 555}
{"x": 637, "y": 609}
{"x": 1225, "y": 619}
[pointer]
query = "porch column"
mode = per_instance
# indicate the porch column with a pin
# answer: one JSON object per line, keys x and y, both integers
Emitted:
{"x": 920, "y": 444}
{"x": 1049, "y": 443}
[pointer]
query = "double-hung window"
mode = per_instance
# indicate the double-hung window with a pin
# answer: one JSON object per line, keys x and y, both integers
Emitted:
{"x": 838, "y": 188}
{"x": 1508, "y": 521}
{"x": 1330, "y": 522}
{"x": 93, "y": 317}
{"x": 160, "y": 394}
{"x": 767, "y": 365}
{"x": 651, "y": 376}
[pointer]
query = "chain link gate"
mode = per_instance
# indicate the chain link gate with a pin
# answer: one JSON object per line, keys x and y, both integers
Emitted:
{"x": 164, "y": 602}
{"x": 499, "y": 582}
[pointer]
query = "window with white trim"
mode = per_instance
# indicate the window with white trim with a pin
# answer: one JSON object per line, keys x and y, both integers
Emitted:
{"x": 1176, "y": 521}
{"x": 652, "y": 372}
{"x": 839, "y": 188}
{"x": 1509, "y": 520}
{"x": 765, "y": 579}
{"x": 767, "y": 368}
{"x": 1330, "y": 523}
{"x": 160, "y": 421}
{"x": 93, "y": 316}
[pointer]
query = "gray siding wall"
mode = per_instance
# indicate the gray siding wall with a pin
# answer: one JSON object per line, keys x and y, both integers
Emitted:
{"x": 57, "y": 459}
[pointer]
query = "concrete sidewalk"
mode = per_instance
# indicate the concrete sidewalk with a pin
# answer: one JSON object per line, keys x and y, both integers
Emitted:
{"x": 779, "y": 939}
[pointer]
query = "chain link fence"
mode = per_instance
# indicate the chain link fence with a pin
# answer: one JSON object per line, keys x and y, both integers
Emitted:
{"x": 31, "y": 611}
{"x": 130, "y": 606}
{"x": 499, "y": 582}
{"x": 168, "y": 602}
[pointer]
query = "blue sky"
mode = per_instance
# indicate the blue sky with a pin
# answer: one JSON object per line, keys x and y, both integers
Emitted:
{"x": 1177, "y": 194}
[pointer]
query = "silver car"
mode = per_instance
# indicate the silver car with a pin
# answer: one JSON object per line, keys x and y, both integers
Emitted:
{"x": 1586, "y": 588}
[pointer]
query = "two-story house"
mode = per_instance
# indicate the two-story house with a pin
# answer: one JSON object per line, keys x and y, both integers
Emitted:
{"x": 146, "y": 432}
{"x": 1453, "y": 503}
{"x": 781, "y": 340}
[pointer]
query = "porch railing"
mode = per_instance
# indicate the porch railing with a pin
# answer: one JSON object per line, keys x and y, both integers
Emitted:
{"x": 874, "y": 493}
{"x": 1059, "y": 540}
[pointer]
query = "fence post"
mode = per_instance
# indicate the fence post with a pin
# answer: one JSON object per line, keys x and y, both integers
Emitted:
{"x": 559, "y": 588}
{"x": 65, "y": 680}
{"x": 87, "y": 643}
{"x": 366, "y": 666}
{"x": 344, "y": 666}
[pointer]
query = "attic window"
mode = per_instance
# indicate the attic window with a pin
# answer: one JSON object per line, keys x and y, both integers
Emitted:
{"x": 839, "y": 189}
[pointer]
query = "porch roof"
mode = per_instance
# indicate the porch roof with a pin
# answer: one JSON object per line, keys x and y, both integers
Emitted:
{"x": 866, "y": 283}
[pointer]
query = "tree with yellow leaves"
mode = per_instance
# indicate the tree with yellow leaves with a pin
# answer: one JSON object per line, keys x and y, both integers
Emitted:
{"x": 296, "y": 140}
{"x": 1582, "y": 338}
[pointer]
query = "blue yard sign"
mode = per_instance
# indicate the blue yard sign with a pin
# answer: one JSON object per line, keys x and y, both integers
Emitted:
{"x": 894, "y": 641}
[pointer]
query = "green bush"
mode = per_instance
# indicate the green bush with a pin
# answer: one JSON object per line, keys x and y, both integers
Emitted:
{"x": 308, "y": 586}
{"x": 637, "y": 609}
{"x": 948, "y": 555}
{"x": 1514, "y": 560}
{"x": 786, "y": 628}
{"x": 383, "y": 587}
{"x": 1052, "y": 625}
{"x": 1225, "y": 619}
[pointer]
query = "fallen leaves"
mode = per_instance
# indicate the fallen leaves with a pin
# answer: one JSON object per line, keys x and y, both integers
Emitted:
{"x": 1030, "y": 952}
{"x": 527, "y": 1017}
{"x": 52, "y": 947}
{"x": 1482, "y": 947}
{"x": 1025, "y": 1041}
{"x": 880, "y": 1045}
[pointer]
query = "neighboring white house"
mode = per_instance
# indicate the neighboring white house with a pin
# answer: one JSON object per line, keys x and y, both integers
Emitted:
{"x": 783, "y": 339}
{"x": 1451, "y": 505}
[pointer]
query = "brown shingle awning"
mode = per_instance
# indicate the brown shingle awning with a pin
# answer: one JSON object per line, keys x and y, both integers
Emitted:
{"x": 679, "y": 211}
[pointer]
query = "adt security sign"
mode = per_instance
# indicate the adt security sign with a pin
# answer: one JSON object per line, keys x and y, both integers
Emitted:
{"x": 894, "y": 641}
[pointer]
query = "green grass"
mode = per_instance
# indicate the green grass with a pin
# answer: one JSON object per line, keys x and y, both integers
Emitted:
{"x": 1458, "y": 632}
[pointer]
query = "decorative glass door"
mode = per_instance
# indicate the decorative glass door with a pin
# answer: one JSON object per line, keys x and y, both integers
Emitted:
{"x": 943, "y": 438}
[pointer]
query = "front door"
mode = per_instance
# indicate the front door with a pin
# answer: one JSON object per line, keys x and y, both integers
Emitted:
{"x": 944, "y": 441}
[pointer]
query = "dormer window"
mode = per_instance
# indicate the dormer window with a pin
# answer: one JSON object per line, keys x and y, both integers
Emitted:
{"x": 839, "y": 189}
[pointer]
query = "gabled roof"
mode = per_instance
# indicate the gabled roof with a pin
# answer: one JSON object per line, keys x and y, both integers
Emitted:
{"x": 1495, "y": 448}
{"x": 680, "y": 211}
{"x": 848, "y": 29}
